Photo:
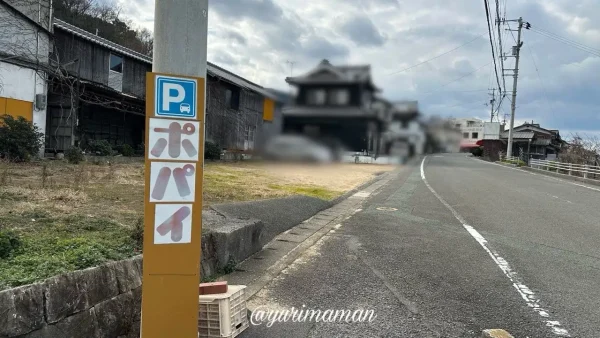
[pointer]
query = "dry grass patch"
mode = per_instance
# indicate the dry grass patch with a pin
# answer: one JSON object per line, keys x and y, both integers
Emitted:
{"x": 69, "y": 217}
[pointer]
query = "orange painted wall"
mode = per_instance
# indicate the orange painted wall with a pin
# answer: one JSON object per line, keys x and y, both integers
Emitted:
{"x": 16, "y": 108}
{"x": 268, "y": 109}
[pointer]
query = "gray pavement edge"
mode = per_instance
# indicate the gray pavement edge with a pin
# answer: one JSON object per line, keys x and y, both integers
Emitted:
{"x": 259, "y": 269}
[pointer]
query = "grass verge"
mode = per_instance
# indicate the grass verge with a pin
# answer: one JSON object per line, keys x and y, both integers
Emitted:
{"x": 57, "y": 217}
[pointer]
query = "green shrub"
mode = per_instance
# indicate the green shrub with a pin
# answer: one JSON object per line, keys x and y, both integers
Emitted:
{"x": 20, "y": 140}
{"x": 477, "y": 151}
{"x": 101, "y": 147}
{"x": 127, "y": 150}
{"x": 9, "y": 243}
{"x": 74, "y": 155}
{"x": 212, "y": 151}
{"x": 229, "y": 267}
{"x": 83, "y": 253}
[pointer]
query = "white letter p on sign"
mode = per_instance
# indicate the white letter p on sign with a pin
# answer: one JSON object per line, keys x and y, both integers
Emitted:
{"x": 168, "y": 99}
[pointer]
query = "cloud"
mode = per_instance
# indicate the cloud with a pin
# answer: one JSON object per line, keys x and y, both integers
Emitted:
{"x": 362, "y": 31}
{"x": 239, "y": 38}
{"x": 319, "y": 48}
{"x": 265, "y": 10}
{"x": 558, "y": 84}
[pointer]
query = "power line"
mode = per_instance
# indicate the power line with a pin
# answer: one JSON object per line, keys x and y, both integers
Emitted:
{"x": 487, "y": 15}
{"x": 462, "y": 77}
{"x": 568, "y": 42}
{"x": 435, "y": 57}
{"x": 564, "y": 38}
{"x": 511, "y": 32}
{"x": 500, "y": 44}
{"x": 541, "y": 82}
{"x": 462, "y": 91}
{"x": 462, "y": 104}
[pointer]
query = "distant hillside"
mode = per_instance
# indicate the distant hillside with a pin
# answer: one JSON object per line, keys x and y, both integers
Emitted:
{"x": 102, "y": 17}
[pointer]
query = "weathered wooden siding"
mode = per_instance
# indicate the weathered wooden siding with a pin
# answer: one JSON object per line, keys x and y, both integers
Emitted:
{"x": 134, "y": 77}
{"x": 94, "y": 63}
{"x": 93, "y": 59}
{"x": 225, "y": 126}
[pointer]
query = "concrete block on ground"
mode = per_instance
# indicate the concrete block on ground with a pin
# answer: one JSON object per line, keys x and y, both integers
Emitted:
{"x": 277, "y": 214}
{"x": 21, "y": 310}
{"x": 495, "y": 333}
{"x": 237, "y": 240}
{"x": 226, "y": 238}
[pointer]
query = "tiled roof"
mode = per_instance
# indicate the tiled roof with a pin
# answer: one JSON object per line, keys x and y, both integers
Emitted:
{"x": 519, "y": 134}
{"x": 212, "y": 69}
{"x": 343, "y": 74}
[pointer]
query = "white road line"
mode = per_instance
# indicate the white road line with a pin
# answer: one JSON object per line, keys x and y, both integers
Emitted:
{"x": 362, "y": 194}
{"x": 550, "y": 177}
{"x": 525, "y": 292}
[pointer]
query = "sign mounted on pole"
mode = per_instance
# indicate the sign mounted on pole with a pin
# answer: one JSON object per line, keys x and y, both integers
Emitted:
{"x": 176, "y": 97}
{"x": 173, "y": 204}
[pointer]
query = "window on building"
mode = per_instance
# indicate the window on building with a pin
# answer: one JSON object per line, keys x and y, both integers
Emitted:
{"x": 339, "y": 97}
{"x": 228, "y": 94}
{"x": 116, "y": 63}
{"x": 475, "y": 135}
{"x": 316, "y": 97}
{"x": 232, "y": 98}
{"x": 457, "y": 125}
{"x": 465, "y": 135}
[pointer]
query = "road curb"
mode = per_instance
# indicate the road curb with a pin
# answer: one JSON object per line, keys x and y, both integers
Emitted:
{"x": 296, "y": 251}
{"x": 359, "y": 188}
{"x": 495, "y": 333}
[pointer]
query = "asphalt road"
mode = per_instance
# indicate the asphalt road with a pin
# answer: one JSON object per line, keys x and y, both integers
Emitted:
{"x": 472, "y": 246}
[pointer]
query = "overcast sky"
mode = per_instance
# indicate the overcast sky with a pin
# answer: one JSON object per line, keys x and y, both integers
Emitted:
{"x": 256, "y": 38}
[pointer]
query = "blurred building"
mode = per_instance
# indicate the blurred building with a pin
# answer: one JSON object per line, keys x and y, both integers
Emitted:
{"x": 529, "y": 141}
{"x": 338, "y": 106}
{"x": 442, "y": 136}
{"x": 472, "y": 131}
{"x": 405, "y": 135}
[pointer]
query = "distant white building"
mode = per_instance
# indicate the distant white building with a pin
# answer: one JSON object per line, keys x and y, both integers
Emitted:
{"x": 25, "y": 29}
{"x": 472, "y": 130}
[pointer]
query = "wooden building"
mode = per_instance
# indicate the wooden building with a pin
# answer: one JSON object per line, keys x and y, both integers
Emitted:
{"x": 338, "y": 105}
{"x": 99, "y": 94}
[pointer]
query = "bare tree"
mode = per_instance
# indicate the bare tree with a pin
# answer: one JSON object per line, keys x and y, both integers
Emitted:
{"x": 581, "y": 149}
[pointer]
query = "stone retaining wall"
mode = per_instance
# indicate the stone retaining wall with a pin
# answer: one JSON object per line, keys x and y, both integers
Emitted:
{"x": 105, "y": 301}
{"x": 98, "y": 302}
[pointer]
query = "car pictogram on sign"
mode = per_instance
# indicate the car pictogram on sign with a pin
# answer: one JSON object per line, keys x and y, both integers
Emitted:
{"x": 184, "y": 108}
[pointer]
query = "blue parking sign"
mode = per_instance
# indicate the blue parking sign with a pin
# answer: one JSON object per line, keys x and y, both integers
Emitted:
{"x": 175, "y": 97}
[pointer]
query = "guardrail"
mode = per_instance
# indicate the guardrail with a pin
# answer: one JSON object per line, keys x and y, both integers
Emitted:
{"x": 571, "y": 169}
